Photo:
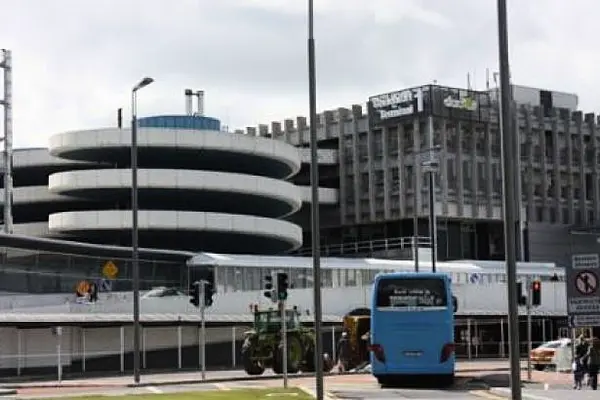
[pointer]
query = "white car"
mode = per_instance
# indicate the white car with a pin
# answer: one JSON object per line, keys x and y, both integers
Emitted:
{"x": 543, "y": 355}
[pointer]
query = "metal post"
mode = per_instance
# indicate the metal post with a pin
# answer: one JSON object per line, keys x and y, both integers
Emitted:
{"x": 432, "y": 216}
{"x": 143, "y": 347}
{"x": 284, "y": 340}
{"x": 315, "y": 225}
{"x": 135, "y": 266}
{"x": 509, "y": 202}
{"x": 19, "y": 350}
{"x": 469, "y": 340}
{"x": 202, "y": 330}
{"x": 502, "y": 338}
{"x": 529, "y": 344}
{"x": 122, "y": 337}
{"x": 233, "y": 347}
{"x": 83, "y": 345}
{"x": 58, "y": 353}
{"x": 432, "y": 220}
{"x": 8, "y": 136}
{"x": 416, "y": 218}
{"x": 333, "y": 344}
{"x": 179, "y": 359}
{"x": 134, "y": 230}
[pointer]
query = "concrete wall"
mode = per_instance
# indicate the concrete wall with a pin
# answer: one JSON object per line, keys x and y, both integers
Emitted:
{"x": 555, "y": 243}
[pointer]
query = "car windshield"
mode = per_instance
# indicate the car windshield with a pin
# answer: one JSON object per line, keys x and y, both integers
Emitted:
{"x": 552, "y": 345}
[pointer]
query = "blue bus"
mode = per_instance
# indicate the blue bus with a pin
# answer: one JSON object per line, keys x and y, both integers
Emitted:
{"x": 412, "y": 328}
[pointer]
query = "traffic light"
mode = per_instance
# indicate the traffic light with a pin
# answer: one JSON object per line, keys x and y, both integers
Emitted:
{"x": 209, "y": 292}
{"x": 195, "y": 294}
{"x": 269, "y": 292}
{"x": 536, "y": 293}
{"x": 282, "y": 286}
{"x": 522, "y": 299}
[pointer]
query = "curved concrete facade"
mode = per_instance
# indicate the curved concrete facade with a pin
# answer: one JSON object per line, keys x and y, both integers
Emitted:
{"x": 199, "y": 189}
{"x": 262, "y": 156}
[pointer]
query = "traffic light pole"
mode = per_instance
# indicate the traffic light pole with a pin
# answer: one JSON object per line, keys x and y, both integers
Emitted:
{"x": 202, "y": 329}
{"x": 528, "y": 310}
{"x": 284, "y": 342}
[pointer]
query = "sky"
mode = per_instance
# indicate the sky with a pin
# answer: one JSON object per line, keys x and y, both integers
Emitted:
{"x": 75, "y": 62}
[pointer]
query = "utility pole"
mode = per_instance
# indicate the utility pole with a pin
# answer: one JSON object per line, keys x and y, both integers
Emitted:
{"x": 508, "y": 158}
{"x": 6, "y": 64}
{"x": 284, "y": 341}
{"x": 315, "y": 224}
{"x": 528, "y": 282}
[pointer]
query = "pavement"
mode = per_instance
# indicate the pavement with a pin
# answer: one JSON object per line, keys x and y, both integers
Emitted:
{"x": 475, "y": 379}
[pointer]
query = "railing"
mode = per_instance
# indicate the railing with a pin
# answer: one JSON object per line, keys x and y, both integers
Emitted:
{"x": 370, "y": 247}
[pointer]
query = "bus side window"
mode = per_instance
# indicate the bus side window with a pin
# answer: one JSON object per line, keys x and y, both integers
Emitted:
{"x": 454, "y": 303}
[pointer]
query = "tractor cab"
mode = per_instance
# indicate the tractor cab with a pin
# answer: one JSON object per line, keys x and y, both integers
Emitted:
{"x": 269, "y": 321}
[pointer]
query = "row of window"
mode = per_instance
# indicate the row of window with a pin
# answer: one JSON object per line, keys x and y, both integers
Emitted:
{"x": 231, "y": 279}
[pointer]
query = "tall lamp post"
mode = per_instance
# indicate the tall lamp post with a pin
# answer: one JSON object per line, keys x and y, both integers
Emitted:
{"x": 315, "y": 225}
{"x": 134, "y": 230}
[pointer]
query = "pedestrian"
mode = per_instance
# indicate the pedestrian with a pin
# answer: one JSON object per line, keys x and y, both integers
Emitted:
{"x": 592, "y": 358}
{"x": 581, "y": 349}
{"x": 578, "y": 373}
{"x": 343, "y": 351}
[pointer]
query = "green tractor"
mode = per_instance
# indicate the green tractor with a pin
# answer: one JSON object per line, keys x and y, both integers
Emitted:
{"x": 263, "y": 345}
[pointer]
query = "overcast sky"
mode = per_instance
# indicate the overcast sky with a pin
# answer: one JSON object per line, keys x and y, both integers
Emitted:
{"x": 75, "y": 61}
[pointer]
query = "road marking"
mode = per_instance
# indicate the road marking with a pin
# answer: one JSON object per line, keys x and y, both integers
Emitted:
{"x": 486, "y": 394}
{"x": 524, "y": 395}
{"x": 221, "y": 386}
{"x": 546, "y": 386}
{"x": 154, "y": 390}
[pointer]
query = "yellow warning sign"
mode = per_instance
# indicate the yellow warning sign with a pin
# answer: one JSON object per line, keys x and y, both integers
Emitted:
{"x": 83, "y": 287}
{"x": 110, "y": 270}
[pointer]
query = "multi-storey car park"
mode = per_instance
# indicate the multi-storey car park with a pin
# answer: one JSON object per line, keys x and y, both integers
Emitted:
{"x": 200, "y": 188}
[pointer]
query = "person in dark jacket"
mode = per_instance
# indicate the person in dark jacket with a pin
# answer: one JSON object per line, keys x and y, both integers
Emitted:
{"x": 592, "y": 359}
{"x": 581, "y": 349}
{"x": 343, "y": 352}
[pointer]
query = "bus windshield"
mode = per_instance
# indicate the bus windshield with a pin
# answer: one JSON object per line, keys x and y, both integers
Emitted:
{"x": 395, "y": 292}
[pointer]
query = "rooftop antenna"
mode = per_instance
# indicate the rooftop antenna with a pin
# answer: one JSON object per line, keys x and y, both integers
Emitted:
{"x": 475, "y": 80}
{"x": 487, "y": 79}
{"x": 469, "y": 80}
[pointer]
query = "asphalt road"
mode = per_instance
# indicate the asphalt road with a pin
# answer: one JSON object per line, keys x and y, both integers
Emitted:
{"x": 552, "y": 394}
{"x": 417, "y": 394}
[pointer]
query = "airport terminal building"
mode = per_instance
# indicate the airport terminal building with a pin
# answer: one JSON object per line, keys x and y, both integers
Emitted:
{"x": 202, "y": 188}
{"x": 379, "y": 175}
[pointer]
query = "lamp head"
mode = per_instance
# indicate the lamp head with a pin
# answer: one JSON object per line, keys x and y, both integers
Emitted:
{"x": 143, "y": 83}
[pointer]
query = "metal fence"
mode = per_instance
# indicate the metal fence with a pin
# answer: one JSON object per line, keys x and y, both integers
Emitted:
{"x": 84, "y": 351}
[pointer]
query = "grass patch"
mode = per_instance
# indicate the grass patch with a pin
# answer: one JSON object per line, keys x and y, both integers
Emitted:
{"x": 234, "y": 394}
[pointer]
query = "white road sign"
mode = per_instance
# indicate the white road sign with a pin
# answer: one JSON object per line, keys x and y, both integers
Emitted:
{"x": 583, "y": 296}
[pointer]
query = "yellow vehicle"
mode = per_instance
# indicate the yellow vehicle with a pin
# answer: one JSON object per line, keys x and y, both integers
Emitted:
{"x": 357, "y": 323}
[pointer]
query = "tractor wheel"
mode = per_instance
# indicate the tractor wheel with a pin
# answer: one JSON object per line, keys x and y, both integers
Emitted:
{"x": 309, "y": 360}
{"x": 295, "y": 353}
{"x": 251, "y": 366}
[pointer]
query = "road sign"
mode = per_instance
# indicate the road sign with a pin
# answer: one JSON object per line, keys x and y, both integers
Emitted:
{"x": 586, "y": 282}
{"x": 585, "y": 261}
{"x": 583, "y": 297}
{"x": 105, "y": 285}
{"x": 474, "y": 278}
{"x": 110, "y": 270}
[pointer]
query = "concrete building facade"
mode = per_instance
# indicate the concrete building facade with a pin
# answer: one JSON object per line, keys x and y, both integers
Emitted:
{"x": 380, "y": 172}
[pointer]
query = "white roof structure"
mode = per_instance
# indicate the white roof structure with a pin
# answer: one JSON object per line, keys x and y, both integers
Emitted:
{"x": 467, "y": 266}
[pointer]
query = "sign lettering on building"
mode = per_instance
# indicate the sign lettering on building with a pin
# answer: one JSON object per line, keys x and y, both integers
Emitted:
{"x": 388, "y": 106}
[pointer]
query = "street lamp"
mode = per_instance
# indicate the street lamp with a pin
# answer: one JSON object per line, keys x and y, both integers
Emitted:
{"x": 134, "y": 230}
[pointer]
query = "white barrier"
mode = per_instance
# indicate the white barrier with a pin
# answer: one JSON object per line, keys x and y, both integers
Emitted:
{"x": 562, "y": 359}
